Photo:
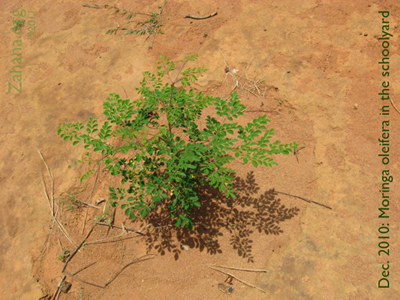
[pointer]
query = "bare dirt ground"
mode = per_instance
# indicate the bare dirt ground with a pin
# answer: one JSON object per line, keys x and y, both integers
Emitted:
{"x": 317, "y": 62}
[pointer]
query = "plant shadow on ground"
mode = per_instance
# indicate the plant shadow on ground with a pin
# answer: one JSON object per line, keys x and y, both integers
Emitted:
{"x": 239, "y": 218}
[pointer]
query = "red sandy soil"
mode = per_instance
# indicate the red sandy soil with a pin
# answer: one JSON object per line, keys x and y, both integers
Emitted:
{"x": 316, "y": 62}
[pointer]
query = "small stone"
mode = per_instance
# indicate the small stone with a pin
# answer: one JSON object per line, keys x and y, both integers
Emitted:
{"x": 365, "y": 34}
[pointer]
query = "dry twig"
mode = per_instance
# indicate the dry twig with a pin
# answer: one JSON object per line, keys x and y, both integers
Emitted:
{"x": 251, "y": 86}
{"x": 131, "y": 263}
{"x": 47, "y": 241}
{"x": 84, "y": 268}
{"x": 141, "y": 259}
{"x": 240, "y": 269}
{"x": 81, "y": 202}
{"x": 51, "y": 202}
{"x": 84, "y": 281}
{"x": 77, "y": 249}
{"x": 107, "y": 240}
{"x": 91, "y": 193}
{"x": 123, "y": 228}
{"x": 238, "y": 279}
{"x": 296, "y": 152}
{"x": 314, "y": 180}
{"x": 58, "y": 290}
{"x": 201, "y": 17}
{"x": 394, "y": 105}
{"x": 52, "y": 181}
{"x": 305, "y": 199}
{"x": 260, "y": 110}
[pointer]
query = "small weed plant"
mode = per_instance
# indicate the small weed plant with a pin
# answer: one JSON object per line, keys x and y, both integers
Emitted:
{"x": 163, "y": 149}
{"x": 150, "y": 27}
{"x": 71, "y": 202}
{"x": 64, "y": 255}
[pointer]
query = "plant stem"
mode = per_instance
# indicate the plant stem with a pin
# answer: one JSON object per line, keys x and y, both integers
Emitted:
{"x": 170, "y": 105}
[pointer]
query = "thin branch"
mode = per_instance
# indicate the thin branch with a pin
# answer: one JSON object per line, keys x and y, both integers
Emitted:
{"x": 52, "y": 180}
{"x": 248, "y": 66}
{"x": 201, "y": 17}
{"x": 223, "y": 56}
{"x": 240, "y": 269}
{"x": 63, "y": 230}
{"x": 309, "y": 201}
{"x": 179, "y": 73}
{"x": 141, "y": 259}
{"x": 314, "y": 180}
{"x": 80, "y": 201}
{"x": 77, "y": 248}
{"x": 394, "y": 105}
{"x": 296, "y": 152}
{"x": 111, "y": 239}
{"x": 58, "y": 290}
{"x": 51, "y": 202}
{"x": 125, "y": 92}
{"x": 112, "y": 278}
{"x": 84, "y": 268}
{"x": 107, "y": 239}
{"x": 114, "y": 226}
{"x": 238, "y": 279}
{"x": 260, "y": 110}
{"x": 91, "y": 194}
{"x": 84, "y": 221}
{"x": 170, "y": 105}
{"x": 97, "y": 176}
{"x": 47, "y": 196}
{"x": 81, "y": 280}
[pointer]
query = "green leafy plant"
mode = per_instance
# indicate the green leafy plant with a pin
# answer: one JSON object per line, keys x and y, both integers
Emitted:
{"x": 158, "y": 148}
{"x": 151, "y": 26}
{"x": 71, "y": 202}
{"x": 64, "y": 255}
{"x": 106, "y": 216}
